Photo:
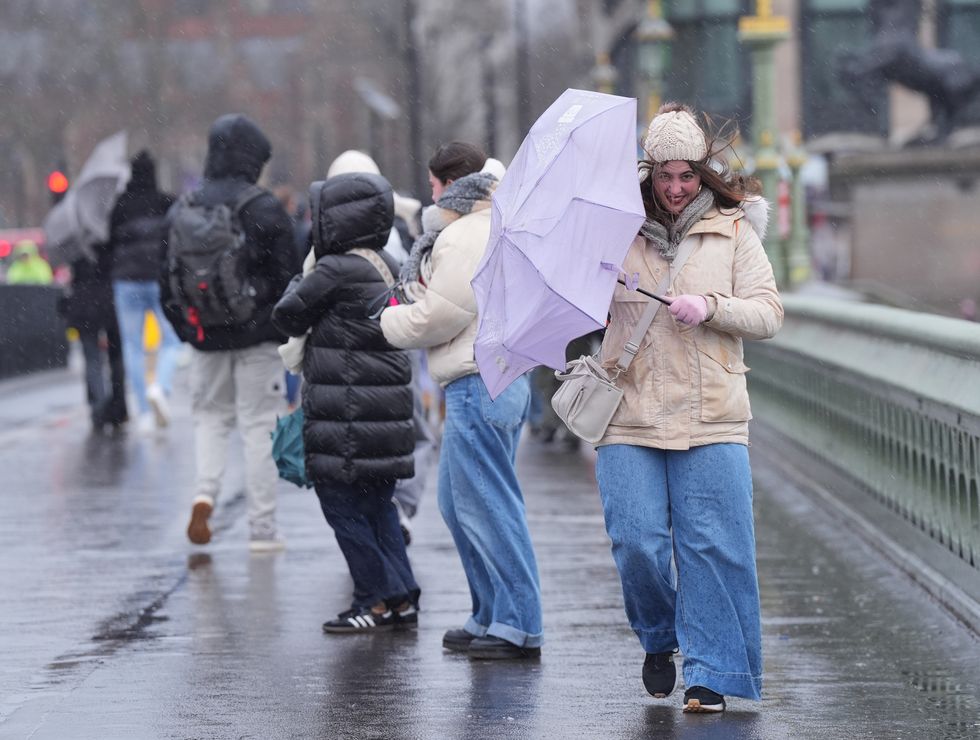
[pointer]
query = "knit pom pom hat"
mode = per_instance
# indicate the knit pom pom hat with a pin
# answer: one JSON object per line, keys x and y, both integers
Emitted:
{"x": 674, "y": 134}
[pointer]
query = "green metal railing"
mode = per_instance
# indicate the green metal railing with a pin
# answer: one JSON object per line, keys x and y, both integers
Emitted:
{"x": 891, "y": 397}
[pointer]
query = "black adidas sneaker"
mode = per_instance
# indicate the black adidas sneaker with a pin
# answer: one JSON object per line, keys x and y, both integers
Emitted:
{"x": 355, "y": 621}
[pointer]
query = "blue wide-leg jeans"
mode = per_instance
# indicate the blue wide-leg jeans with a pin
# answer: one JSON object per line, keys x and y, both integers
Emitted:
{"x": 481, "y": 503}
{"x": 694, "y": 506}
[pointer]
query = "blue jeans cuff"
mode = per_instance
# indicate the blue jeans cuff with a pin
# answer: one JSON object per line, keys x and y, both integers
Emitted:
{"x": 514, "y": 635}
{"x": 727, "y": 684}
{"x": 657, "y": 641}
{"x": 474, "y": 628}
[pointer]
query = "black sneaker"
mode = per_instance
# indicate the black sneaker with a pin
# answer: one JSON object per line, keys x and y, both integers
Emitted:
{"x": 659, "y": 674}
{"x": 354, "y": 621}
{"x": 457, "y": 640}
{"x": 407, "y": 618}
{"x": 699, "y": 700}
{"x": 494, "y": 648}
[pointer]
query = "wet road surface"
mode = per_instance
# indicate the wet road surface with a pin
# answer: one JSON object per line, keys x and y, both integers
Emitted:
{"x": 113, "y": 626}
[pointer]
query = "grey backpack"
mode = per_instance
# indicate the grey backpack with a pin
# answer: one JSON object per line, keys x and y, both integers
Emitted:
{"x": 208, "y": 262}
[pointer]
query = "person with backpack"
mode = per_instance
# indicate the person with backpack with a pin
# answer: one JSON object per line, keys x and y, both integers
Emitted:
{"x": 228, "y": 257}
{"x": 136, "y": 232}
{"x": 357, "y": 399}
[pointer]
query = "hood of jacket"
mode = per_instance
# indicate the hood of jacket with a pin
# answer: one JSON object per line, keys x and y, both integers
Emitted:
{"x": 143, "y": 173}
{"x": 25, "y": 248}
{"x": 236, "y": 148}
{"x": 349, "y": 211}
{"x": 350, "y": 161}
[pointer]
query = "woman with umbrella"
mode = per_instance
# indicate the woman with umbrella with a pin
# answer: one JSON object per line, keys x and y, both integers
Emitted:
{"x": 479, "y": 496}
{"x": 673, "y": 466}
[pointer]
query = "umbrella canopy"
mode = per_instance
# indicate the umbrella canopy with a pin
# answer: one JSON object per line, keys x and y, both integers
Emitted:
{"x": 562, "y": 220}
{"x": 81, "y": 219}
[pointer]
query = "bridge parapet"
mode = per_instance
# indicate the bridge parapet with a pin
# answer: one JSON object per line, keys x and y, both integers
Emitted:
{"x": 890, "y": 396}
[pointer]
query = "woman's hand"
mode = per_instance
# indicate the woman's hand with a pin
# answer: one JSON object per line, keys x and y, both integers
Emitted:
{"x": 689, "y": 309}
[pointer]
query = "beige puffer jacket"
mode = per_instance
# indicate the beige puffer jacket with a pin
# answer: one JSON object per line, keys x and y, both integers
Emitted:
{"x": 443, "y": 320}
{"x": 686, "y": 386}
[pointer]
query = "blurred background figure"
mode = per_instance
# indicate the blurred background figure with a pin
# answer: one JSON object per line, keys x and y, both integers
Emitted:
{"x": 136, "y": 234}
{"x": 88, "y": 308}
{"x": 29, "y": 267}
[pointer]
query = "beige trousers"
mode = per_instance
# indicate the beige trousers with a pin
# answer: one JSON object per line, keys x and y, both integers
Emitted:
{"x": 243, "y": 387}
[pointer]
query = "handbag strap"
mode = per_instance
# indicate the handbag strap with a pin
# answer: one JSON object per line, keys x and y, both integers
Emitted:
{"x": 379, "y": 264}
{"x": 639, "y": 331}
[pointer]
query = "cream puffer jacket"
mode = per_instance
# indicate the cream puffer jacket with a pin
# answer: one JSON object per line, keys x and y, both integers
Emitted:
{"x": 686, "y": 386}
{"x": 443, "y": 321}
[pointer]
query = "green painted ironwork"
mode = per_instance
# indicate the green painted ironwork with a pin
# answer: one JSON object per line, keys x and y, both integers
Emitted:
{"x": 891, "y": 397}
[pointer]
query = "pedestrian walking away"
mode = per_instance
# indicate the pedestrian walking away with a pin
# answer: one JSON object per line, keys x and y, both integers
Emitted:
{"x": 479, "y": 495}
{"x": 673, "y": 466}
{"x": 88, "y": 307}
{"x": 357, "y": 398}
{"x": 229, "y": 257}
{"x": 136, "y": 236}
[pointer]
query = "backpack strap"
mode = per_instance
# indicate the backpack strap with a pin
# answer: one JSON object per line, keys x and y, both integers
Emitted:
{"x": 379, "y": 264}
{"x": 247, "y": 196}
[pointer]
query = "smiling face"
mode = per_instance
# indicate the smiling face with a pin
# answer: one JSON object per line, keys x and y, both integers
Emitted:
{"x": 675, "y": 184}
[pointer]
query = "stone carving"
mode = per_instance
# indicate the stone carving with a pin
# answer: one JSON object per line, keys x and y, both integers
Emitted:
{"x": 894, "y": 55}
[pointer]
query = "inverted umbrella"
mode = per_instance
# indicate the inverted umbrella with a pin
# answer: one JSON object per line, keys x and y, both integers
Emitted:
{"x": 562, "y": 221}
{"x": 81, "y": 220}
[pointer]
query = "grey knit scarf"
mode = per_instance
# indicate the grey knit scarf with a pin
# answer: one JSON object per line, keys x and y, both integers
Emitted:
{"x": 668, "y": 239}
{"x": 460, "y": 198}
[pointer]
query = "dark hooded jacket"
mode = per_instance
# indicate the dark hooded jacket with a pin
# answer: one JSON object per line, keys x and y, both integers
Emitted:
{"x": 237, "y": 152}
{"x": 136, "y": 225}
{"x": 357, "y": 398}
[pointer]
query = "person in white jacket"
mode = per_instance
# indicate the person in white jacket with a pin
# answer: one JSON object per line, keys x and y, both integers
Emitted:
{"x": 479, "y": 495}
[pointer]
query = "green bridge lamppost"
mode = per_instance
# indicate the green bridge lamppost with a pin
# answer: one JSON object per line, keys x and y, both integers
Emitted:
{"x": 762, "y": 33}
{"x": 797, "y": 251}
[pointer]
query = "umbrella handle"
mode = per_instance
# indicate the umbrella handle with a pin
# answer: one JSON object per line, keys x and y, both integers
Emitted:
{"x": 663, "y": 299}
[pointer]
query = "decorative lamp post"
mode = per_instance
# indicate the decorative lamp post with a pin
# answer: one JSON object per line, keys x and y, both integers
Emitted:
{"x": 604, "y": 74}
{"x": 652, "y": 36}
{"x": 761, "y": 33}
{"x": 798, "y": 252}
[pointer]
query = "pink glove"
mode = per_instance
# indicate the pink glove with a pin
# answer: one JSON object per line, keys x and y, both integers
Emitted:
{"x": 689, "y": 309}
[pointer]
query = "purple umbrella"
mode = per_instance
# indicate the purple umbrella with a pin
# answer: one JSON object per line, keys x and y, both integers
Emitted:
{"x": 562, "y": 221}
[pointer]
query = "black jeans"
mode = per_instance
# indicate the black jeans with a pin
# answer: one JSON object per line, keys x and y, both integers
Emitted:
{"x": 107, "y": 401}
{"x": 365, "y": 523}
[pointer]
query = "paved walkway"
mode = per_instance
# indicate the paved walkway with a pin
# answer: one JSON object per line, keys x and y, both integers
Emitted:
{"x": 114, "y": 627}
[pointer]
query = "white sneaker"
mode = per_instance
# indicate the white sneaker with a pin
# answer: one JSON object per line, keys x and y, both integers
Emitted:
{"x": 273, "y": 544}
{"x": 158, "y": 402}
{"x": 145, "y": 425}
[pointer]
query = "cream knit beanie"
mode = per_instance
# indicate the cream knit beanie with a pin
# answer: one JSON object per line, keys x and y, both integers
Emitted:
{"x": 674, "y": 135}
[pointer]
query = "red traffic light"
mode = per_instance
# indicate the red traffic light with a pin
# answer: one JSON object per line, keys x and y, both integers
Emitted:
{"x": 57, "y": 182}
{"x": 5, "y": 248}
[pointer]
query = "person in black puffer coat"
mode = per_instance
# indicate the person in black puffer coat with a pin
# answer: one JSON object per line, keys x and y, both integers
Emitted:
{"x": 357, "y": 397}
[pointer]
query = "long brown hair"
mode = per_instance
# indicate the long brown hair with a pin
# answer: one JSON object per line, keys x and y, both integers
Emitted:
{"x": 730, "y": 188}
{"x": 455, "y": 160}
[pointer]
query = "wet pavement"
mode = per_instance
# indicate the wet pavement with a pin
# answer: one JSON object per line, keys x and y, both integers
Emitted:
{"x": 113, "y": 626}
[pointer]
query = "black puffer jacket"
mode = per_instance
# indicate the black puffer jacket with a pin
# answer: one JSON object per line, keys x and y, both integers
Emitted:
{"x": 237, "y": 152}
{"x": 136, "y": 225}
{"x": 357, "y": 398}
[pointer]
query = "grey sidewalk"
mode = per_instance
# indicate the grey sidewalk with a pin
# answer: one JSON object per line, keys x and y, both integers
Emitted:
{"x": 114, "y": 627}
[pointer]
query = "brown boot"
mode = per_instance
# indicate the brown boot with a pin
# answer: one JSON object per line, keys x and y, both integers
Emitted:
{"x": 198, "y": 530}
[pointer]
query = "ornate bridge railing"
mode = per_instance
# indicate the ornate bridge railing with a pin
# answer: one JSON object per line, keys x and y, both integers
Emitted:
{"x": 892, "y": 397}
